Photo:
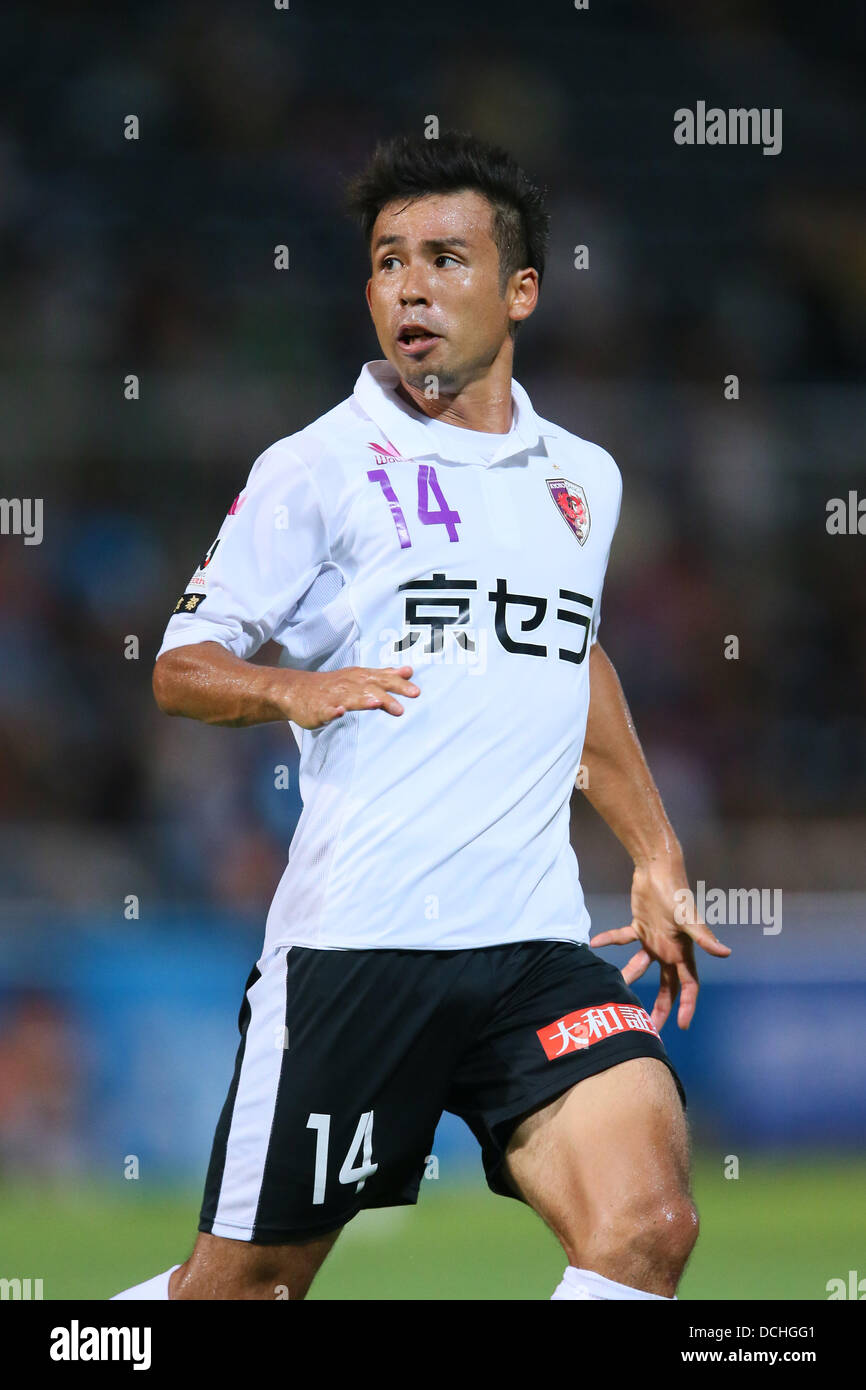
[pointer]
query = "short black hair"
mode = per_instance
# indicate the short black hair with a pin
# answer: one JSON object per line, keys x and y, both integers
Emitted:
{"x": 411, "y": 166}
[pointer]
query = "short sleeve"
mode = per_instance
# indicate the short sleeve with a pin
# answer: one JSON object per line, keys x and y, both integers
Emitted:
{"x": 269, "y": 550}
{"x": 596, "y": 616}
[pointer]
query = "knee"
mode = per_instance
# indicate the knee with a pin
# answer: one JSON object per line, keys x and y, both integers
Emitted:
{"x": 659, "y": 1229}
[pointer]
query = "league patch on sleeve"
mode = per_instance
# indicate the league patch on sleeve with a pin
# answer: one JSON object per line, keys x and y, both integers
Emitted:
{"x": 208, "y": 556}
{"x": 188, "y": 603}
{"x": 199, "y": 579}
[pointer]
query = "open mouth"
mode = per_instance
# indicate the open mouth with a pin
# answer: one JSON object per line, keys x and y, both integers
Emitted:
{"x": 415, "y": 339}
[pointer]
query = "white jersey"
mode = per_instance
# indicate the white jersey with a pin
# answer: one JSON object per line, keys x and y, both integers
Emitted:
{"x": 378, "y": 537}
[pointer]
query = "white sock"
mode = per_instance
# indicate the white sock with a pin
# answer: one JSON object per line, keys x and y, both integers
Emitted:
{"x": 153, "y": 1290}
{"x": 585, "y": 1283}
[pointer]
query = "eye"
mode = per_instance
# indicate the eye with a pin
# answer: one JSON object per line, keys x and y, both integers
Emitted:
{"x": 384, "y": 263}
{"x": 445, "y": 257}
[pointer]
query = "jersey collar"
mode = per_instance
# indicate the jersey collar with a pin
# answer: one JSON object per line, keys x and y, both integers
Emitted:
{"x": 375, "y": 391}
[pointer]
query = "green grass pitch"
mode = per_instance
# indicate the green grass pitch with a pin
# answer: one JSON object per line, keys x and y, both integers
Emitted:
{"x": 780, "y": 1230}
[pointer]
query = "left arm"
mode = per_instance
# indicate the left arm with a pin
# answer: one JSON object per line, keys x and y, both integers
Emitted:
{"x": 621, "y": 789}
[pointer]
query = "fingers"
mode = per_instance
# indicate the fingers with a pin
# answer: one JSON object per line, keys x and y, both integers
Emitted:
{"x": 361, "y": 687}
{"x": 689, "y": 986}
{"x": 701, "y": 933}
{"x": 680, "y": 978}
{"x": 384, "y": 701}
{"x": 637, "y": 966}
{"x": 383, "y": 682}
{"x": 389, "y": 679}
{"x": 618, "y": 936}
{"x": 668, "y": 986}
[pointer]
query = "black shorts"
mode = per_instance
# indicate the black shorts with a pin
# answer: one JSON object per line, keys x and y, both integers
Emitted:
{"x": 348, "y": 1058}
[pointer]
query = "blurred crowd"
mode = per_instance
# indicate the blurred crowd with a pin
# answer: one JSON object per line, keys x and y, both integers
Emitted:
{"x": 155, "y": 257}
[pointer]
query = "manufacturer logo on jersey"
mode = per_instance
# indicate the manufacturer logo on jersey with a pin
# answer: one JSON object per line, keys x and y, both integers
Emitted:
{"x": 570, "y": 499}
{"x": 386, "y": 451}
{"x": 587, "y": 1026}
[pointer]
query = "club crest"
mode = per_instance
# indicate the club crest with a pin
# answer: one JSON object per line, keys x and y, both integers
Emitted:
{"x": 570, "y": 499}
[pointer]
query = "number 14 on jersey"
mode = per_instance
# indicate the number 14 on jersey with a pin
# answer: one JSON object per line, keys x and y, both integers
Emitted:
{"x": 427, "y": 515}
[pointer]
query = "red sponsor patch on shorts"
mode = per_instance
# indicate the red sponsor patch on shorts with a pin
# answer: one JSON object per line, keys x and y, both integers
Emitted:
{"x": 587, "y": 1026}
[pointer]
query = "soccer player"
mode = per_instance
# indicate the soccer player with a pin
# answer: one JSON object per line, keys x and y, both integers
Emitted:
{"x": 427, "y": 559}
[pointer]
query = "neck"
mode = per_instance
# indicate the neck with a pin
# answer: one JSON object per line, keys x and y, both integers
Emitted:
{"x": 483, "y": 403}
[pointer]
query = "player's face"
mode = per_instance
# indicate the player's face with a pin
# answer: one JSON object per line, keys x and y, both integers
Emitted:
{"x": 434, "y": 291}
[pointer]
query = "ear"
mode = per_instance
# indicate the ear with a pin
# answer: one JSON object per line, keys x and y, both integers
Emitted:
{"x": 523, "y": 294}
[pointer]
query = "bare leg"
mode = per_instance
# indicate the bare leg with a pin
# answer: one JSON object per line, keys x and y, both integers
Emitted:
{"x": 606, "y": 1166}
{"x": 236, "y": 1269}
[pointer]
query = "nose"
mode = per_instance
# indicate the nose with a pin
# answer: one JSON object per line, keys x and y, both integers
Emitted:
{"x": 413, "y": 288}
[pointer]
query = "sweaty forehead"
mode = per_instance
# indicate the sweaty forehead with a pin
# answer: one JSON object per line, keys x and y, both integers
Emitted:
{"x": 465, "y": 213}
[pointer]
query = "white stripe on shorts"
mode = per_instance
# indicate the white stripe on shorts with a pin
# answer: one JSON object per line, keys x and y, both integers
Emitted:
{"x": 255, "y": 1102}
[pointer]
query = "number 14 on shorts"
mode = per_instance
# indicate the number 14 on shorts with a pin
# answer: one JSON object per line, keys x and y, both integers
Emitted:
{"x": 361, "y": 1145}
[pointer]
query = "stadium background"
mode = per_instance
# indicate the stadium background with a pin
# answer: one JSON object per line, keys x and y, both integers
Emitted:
{"x": 155, "y": 257}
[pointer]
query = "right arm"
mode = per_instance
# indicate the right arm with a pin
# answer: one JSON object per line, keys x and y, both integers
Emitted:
{"x": 206, "y": 681}
{"x": 224, "y": 632}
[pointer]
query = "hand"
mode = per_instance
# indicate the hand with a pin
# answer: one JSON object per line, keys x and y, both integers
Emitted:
{"x": 316, "y": 698}
{"x": 665, "y": 938}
